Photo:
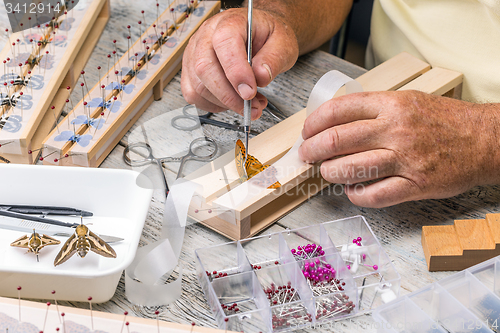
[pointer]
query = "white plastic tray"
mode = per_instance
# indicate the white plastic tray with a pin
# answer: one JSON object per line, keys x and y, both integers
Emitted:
{"x": 119, "y": 206}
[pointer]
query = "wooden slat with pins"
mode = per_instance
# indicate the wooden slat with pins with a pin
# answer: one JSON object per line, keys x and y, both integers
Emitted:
{"x": 97, "y": 123}
{"x": 49, "y": 76}
{"x": 48, "y": 317}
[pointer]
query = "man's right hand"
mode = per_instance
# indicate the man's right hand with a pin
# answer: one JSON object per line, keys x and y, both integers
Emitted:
{"x": 215, "y": 73}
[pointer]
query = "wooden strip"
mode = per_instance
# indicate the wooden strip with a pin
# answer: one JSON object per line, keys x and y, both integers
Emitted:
{"x": 84, "y": 29}
{"x": 437, "y": 81}
{"x": 31, "y": 310}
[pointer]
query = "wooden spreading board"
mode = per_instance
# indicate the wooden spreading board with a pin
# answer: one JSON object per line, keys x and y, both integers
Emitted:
{"x": 134, "y": 103}
{"x": 34, "y": 313}
{"x": 461, "y": 245}
{"x": 399, "y": 73}
{"x": 76, "y": 54}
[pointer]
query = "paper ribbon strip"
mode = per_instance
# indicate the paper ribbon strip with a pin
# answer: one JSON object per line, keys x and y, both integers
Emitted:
{"x": 154, "y": 263}
{"x": 323, "y": 91}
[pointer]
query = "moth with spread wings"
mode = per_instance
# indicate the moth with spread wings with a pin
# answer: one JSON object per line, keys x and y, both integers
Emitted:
{"x": 34, "y": 242}
{"x": 81, "y": 242}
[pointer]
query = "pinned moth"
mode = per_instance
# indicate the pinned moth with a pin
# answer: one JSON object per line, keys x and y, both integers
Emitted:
{"x": 81, "y": 242}
{"x": 34, "y": 242}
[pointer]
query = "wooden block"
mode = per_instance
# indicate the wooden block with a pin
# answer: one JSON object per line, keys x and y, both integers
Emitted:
{"x": 474, "y": 235}
{"x": 462, "y": 245}
{"x": 494, "y": 225}
{"x": 262, "y": 210}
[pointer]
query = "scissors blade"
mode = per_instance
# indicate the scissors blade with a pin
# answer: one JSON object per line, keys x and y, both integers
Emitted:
{"x": 46, "y": 228}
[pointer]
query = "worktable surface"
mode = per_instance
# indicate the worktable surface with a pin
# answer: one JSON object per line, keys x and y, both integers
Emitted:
{"x": 398, "y": 228}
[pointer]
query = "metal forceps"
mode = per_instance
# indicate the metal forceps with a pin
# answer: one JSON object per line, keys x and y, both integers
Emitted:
{"x": 198, "y": 120}
{"x": 144, "y": 149}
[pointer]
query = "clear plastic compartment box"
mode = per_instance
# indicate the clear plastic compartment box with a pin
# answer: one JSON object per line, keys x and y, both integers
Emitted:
{"x": 297, "y": 278}
{"x": 467, "y": 301}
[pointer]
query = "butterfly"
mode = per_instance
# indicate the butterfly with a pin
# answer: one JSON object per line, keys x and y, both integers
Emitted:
{"x": 81, "y": 242}
{"x": 141, "y": 75}
{"x": 11, "y": 124}
{"x": 66, "y": 24}
{"x": 171, "y": 42}
{"x": 34, "y": 242}
{"x": 112, "y": 106}
{"x": 128, "y": 88}
{"x": 82, "y": 140}
{"x": 199, "y": 11}
{"x": 252, "y": 166}
{"x": 96, "y": 123}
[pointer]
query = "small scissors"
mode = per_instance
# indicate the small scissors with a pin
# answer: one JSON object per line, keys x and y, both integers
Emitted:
{"x": 198, "y": 120}
{"x": 139, "y": 148}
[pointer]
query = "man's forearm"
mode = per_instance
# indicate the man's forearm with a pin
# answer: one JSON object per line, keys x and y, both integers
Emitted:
{"x": 313, "y": 22}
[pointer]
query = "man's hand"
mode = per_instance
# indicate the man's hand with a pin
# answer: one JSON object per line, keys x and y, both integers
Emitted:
{"x": 416, "y": 146}
{"x": 215, "y": 73}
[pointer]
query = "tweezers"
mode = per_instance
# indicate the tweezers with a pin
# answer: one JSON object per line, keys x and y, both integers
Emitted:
{"x": 49, "y": 226}
{"x": 23, "y": 211}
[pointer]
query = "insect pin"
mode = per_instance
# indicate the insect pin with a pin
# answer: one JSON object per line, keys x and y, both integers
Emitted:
{"x": 81, "y": 242}
{"x": 34, "y": 242}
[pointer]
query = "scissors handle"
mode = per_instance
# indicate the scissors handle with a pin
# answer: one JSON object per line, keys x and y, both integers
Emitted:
{"x": 131, "y": 162}
{"x": 191, "y": 155}
{"x": 193, "y": 119}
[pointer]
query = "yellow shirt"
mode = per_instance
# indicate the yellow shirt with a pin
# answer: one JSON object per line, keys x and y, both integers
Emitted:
{"x": 461, "y": 35}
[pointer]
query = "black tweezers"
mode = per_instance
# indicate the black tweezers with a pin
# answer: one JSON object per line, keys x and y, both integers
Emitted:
{"x": 22, "y": 211}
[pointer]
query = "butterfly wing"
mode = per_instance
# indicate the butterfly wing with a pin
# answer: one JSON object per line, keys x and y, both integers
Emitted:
{"x": 22, "y": 241}
{"x": 79, "y": 120}
{"x": 84, "y": 140}
{"x": 128, "y": 88}
{"x": 67, "y": 251}
{"x": 64, "y": 136}
{"x": 94, "y": 103}
{"x": 239, "y": 158}
{"x": 99, "y": 246}
{"x": 271, "y": 176}
{"x": 252, "y": 166}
